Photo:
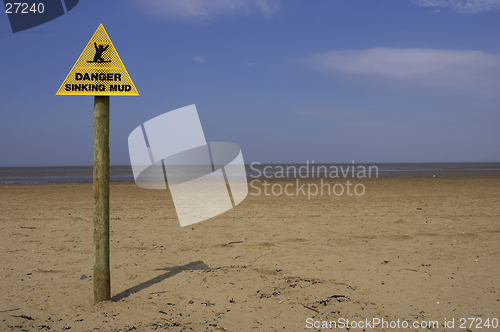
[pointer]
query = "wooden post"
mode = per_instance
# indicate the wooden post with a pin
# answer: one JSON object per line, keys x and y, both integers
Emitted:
{"x": 102, "y": 283}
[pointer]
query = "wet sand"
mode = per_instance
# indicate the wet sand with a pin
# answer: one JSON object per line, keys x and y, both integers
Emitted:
{"x": 409, "y": 249}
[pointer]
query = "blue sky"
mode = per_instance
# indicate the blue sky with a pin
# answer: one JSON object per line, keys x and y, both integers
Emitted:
{"x": 288, "y": 81}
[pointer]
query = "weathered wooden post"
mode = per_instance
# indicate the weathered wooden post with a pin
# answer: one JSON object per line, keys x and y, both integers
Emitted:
{"x": 99, "y": 72}
{"x": 102, "y": 283}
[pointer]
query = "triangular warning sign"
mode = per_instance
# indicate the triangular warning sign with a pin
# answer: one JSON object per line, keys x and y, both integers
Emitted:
{"x": 99, "y": 71}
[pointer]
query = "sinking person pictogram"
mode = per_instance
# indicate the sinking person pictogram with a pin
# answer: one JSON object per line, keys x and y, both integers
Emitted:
{"x": 98, "y": 54}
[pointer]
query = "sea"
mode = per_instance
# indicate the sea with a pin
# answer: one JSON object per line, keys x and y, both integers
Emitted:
{"x": 83, "y": 174}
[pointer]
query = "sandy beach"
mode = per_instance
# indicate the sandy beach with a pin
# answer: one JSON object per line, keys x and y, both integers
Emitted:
{"x": 409, "y": 249}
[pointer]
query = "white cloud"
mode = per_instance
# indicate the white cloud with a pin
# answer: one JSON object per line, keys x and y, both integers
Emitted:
{"x": 339, "y": 113}
{"x": 461, "y": 6}
{"x": 473, "y": 71}
{"x": 208, "y": 9}
{"x": 199, "y": 59}
{"x": 267, "y": 7}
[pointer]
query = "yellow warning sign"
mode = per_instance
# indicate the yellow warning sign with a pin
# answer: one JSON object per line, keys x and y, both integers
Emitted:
{"x": 99, "y": 71}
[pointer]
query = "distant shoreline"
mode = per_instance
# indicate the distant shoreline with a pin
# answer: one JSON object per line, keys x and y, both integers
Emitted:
{"x": 83, "y": 174}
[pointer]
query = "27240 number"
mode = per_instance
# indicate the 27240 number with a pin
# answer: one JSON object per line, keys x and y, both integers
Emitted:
{"x": 13, "y": 8}
{"x": 478, "y": 323}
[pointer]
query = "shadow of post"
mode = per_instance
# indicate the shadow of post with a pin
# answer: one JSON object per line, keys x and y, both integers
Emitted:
{"x": 171, "y": 271}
